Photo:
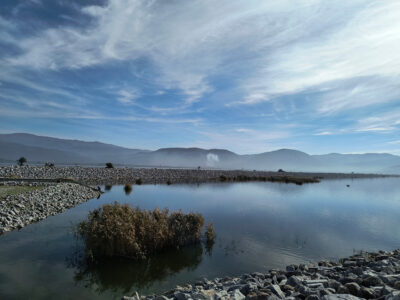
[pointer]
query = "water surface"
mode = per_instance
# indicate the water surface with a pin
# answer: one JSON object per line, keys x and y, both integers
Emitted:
{"x": 259, "y": 226}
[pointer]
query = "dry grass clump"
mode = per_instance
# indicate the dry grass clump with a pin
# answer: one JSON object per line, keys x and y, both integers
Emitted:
{"x": 210, "y": 233}
{"x": 128, "y": 189}
{"x": 120, "y": 230}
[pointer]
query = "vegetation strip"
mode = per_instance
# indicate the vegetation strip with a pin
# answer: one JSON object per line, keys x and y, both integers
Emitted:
{"x": 366, "y": 275}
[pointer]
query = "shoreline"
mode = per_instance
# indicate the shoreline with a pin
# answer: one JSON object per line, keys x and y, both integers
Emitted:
{"x": 367, "y": 275}
{"x": 47, "y": 199}
{"x": 114, "y": 176}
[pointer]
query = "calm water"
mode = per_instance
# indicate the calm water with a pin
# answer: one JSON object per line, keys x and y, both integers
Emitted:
{"x": 259, "y": 226}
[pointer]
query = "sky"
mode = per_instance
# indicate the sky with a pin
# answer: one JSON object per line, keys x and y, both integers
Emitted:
{"x": 249, "y": 76}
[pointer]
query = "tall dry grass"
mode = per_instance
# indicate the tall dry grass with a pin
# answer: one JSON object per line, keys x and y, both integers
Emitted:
{"x": 120, "y": 230}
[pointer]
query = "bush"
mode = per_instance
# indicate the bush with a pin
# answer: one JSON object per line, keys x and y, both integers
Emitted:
{"x": 128, "y": 189}
{"x": 117, "y": 230}
{"x": 49, "y": 165}
{"x": 109, "y": 165}
{"x": 21, "y": 161}
{"x": 138, "y": 181}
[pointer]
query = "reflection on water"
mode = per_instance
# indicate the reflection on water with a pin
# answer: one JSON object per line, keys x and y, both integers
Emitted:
{"x": 125, "y": 276}
{"x": 258, "y": 226}
{"x": 108, "y": 188}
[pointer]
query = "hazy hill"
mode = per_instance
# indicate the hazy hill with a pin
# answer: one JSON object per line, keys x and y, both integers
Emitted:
{"x": 12, "y": 151}
{"x": 41, "y": 149}
{"x": 74, "y": 151}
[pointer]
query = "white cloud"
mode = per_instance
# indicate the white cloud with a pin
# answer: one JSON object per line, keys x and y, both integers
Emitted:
{"x": 381, "y": 123}
{"x": 324, "y": 133}
{"x": 127, "y": 96}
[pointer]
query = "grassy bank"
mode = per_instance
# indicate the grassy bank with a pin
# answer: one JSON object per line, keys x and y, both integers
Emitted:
{"x": 16, "y": 190}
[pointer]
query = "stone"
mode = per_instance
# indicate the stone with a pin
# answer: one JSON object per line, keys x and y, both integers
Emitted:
{"x": 181, "y": 296}
{"x": 161, "y": 298}
{"x": 367, "y": 293}
{"x": 221, "y": 295}
{"x": 294, "y": 281}
{"x": 342, "y": 290}
{"x": 236, "y": 295}
{"x": 277, "y": 290}
{"x": 397, "y": 285}
{"x": 340, "y": 297}
{"x": 259, "y": 295}
{"x": 312, "y": 297}
{"x": 353, "y": 288}
{"x": 371, "y": 280}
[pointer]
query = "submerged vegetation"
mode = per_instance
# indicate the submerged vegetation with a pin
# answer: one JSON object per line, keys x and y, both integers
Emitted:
{"x": 210, "y": 233}
{"x": 118, "y": 230}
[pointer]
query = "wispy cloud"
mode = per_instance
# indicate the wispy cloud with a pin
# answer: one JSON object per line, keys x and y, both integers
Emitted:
{"x": 331, "y": 67}
{"x": 384, "y": 122}
{"x": 127, "y": 96}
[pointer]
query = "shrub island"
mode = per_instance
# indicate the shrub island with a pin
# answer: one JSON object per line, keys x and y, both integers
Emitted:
{"x": 119, "y": 230}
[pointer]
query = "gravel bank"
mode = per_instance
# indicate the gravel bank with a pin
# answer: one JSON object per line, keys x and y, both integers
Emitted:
{"x": 99, "y": 176}
{"x": 365, "y": 275}
{"x": 17, "y": 211}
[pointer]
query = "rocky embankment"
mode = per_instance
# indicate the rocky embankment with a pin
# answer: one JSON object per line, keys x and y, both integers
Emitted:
{"x": 99, "y": 176}
{"x": 365, "y": 275}
{"x": 17, "y": 211}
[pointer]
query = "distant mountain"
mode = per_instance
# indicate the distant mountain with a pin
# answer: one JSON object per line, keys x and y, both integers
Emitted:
{"x": 41, "y": 149}
{"x": 12, "y": 151}
{"x": 63, "y": 150}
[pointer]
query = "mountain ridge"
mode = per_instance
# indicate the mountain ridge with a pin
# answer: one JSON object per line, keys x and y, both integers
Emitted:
{"x": 40, "y": 149}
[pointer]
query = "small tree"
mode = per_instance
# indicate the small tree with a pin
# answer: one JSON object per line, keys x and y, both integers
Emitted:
{"x": 21, "y": 161}
{"x": 109, "y": 165}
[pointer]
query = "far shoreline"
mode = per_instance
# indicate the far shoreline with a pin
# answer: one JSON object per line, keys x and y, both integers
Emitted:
{"x": 151, "y": 175}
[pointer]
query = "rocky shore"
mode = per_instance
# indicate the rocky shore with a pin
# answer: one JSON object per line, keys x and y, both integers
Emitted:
{"x": 17, "y": 211}
{"x": 364, "y": 275}
{"x": 101, "y": 176}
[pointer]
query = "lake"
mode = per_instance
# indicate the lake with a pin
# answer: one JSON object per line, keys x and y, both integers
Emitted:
{"x": 259, "y": 226}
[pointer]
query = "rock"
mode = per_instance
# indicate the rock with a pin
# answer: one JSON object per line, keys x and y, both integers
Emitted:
{"x": 161, "y": 298}
{"x": 277, "y": 290}
{"x": 367, "y": 293}
{"x": 340, "y": 297}
{"x": 236, "y": 295}
{"x": 181, "y": 296}
{"x": 312, "y": 297}
{"x": 221, "y": 295}
{"x": 371, "y": 280}
{"x": 294, "y": 281}
{"x": 397, "y": 285}
{"x": 353, "y": 288}
{"x": 342, "y": 290}
{"x": 257, "y": 296}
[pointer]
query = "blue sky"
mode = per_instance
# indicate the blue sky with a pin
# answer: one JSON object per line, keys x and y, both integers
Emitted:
{"x": 249, "y": 76}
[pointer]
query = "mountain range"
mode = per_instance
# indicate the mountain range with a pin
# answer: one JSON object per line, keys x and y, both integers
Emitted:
{"x": 40, "y": 149}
